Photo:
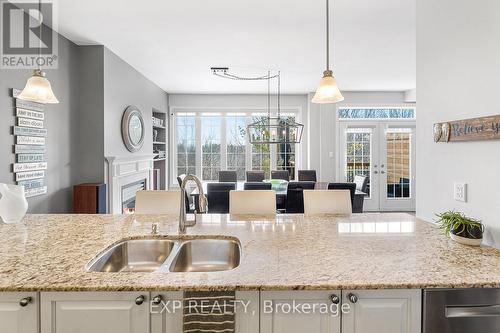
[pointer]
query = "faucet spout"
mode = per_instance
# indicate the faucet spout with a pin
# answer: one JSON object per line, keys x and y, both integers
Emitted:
{"x": 202, "y": 199}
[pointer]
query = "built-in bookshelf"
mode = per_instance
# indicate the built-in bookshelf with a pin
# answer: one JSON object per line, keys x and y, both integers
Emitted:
{"x": 160, "y": 146}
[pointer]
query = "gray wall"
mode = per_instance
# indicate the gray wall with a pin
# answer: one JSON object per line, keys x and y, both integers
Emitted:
{"x": 458, "y": 66}
{"x": 94, "y": 87}
{"x": 124, "y": 86}
{"x": 61, "y": 120}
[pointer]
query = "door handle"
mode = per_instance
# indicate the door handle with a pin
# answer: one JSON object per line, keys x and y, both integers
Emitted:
{"x": 472, "y": 311}
{"x": 375, "y": 172}
{"x": 382, "y": 172}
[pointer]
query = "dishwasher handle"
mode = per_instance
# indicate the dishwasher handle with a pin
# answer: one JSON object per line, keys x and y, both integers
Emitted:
{"x": 472, "y": 311}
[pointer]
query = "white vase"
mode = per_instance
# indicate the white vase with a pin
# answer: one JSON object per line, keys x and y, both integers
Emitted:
{"x": 13, "y": 203}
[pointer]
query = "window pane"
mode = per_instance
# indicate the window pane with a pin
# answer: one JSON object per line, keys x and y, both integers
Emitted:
{"x": 186, "y": 147}
{"x": 235, "y": 142}
{"x": 286, "y": 155}
{"x": 358, "y": 156}
{"x": 398, "y": 165}
{"x": 210, "y": 146}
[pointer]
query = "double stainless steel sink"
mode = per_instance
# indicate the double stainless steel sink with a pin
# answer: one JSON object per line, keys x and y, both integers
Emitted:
{"x": 168, "y": 255}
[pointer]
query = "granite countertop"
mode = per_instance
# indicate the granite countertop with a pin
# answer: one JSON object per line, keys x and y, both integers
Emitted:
{"x": 365, "y": 251}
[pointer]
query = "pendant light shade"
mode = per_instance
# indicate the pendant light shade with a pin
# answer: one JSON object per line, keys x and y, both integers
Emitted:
{"x": 328, "y": 91}
{"x": 38, "y": 89}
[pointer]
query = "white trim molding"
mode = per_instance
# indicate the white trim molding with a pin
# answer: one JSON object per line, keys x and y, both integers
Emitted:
{"x": 123, "y": 171}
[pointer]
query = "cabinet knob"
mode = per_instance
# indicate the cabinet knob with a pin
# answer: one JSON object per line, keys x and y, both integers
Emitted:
{"x": 25, "y": 301}
{"x": 157, "y": 300}
{"x": 352, "y": 298}
{"x": 139, "y": 300}
{"x": 335, "y": 299}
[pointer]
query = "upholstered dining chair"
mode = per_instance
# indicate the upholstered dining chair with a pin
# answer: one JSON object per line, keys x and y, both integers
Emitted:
{"x": 344, "y": 186}
{"x": 218, "y": 197}
{"x": 258, "y": 202}
{"x": 252, "y": 186}
{"x": 361, "y": 182}
{"x": 336, "y": 202}
{"x": 157, "y": 202}
{"x": 307, "y": 175}
{"x": 227, "y": 176}
{"x": 255, "y": 176}
{"x": 294, "y": 196}
{"x": 280, "y": 174}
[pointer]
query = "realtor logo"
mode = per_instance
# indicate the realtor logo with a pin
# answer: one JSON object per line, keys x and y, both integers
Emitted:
{"x": 28, "y": 38}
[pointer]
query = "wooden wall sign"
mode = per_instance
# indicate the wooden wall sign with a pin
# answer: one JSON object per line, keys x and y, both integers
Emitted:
{"x": 30, "y": 114}
{"x": 483, "y": 128}
{"x": 29, "y": 146}
{"x": 29, "y": 175}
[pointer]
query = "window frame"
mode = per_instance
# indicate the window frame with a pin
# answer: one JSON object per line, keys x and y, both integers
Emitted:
{"x": 225, "y": 112}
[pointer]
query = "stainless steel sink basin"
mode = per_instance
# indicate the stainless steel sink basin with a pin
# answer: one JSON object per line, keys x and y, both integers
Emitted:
{"x": 206, "y": 255}
{"x": 134, "y": 255}
{"x": 164, "y": 255}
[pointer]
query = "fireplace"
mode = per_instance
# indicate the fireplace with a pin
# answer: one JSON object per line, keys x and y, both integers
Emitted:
{"x": 126, "y": 176}
{"x": 128, "y": 195}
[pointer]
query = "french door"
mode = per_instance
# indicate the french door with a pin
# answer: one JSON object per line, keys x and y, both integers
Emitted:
{"x": 384, "y": 152}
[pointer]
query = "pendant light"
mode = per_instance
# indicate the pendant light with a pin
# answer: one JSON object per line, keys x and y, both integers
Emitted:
{"x": 328, "y": 90}
{"x": 38, "y": 88}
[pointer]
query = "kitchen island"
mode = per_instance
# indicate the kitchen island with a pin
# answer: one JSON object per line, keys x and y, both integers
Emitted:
{"x": 389, "y": 257}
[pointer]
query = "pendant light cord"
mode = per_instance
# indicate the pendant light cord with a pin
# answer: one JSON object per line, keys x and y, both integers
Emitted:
{"x": 40, "y": 38}
{"x": 268, "y": 94}
{"x": 327, "y": 35}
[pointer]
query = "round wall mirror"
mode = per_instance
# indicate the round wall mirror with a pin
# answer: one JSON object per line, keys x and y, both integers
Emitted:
{"x": 133, "y": 129}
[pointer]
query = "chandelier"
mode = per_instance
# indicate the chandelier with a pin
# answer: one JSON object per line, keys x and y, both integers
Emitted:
{"x": 269, "y": 129}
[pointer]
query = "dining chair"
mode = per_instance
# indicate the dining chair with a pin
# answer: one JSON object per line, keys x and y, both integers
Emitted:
{"x": 361, "y": 182}
{"x": 327, "y": 202}
{"x": 344, "y": 186}
{"x": 157, "y": 202}
{"x": 255, "y": 176}
{"x": 280, "y": 174}
{"x": 227, "y": 176}
{"x": 307, "y": 175}
{"x": 189, "y": 200}
{"x": 294, "y": 196}
{"x": 218, "y": 197}
{"x": 259, "y": 202}
{"x": 252, "y": 186}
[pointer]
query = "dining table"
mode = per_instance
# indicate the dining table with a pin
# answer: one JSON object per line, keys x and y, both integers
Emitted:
{"x": 357, "y": 207}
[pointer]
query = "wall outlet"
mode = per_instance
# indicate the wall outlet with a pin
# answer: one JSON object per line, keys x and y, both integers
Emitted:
{"x": 460, "y": 192}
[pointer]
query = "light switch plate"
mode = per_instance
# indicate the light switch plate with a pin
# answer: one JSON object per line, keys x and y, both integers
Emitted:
{"x": 460, "y": 192}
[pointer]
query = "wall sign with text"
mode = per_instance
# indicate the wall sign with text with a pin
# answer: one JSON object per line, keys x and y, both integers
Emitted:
{"x": 483, "y": 128}
{"x": 29, "y": 148}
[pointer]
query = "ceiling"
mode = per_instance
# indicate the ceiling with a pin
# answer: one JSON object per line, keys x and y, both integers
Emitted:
{"x": 174, "y": 43}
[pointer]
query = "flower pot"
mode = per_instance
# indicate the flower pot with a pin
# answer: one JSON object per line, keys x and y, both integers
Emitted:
{"x": 467, "y": 235}
{"x": 13, "y": 204}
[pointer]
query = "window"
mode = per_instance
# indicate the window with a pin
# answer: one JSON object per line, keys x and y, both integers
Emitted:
{"x": 286, "y": 156}
{"x": 358, "y": 153}
{"x": 186, "y": 144}
{"x": 377, "y": 113}
{"x": 235, "y": 144}
{"x": 211, "y": 147}
{"x": 207, "y": 142}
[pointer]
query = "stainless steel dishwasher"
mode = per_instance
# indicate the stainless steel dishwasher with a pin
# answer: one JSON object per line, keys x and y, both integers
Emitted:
{"x": 461, "y": 310}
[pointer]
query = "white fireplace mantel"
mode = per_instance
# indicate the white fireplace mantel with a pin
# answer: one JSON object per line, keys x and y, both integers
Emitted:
{"x": 123, "y": 171}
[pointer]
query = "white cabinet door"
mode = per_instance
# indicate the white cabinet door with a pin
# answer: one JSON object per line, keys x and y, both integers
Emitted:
{"x": 299, "y": 312}
{"x": 247, "y": 312}
{"x": 166, "y": 312}
{"x": 19, "y": 312}
{"x": 85, "y": 312}
{"x": 389, "y": 311}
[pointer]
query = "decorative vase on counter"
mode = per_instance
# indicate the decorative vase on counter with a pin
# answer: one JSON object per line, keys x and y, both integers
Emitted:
{"x": 468, "y": 235}
{"x": 13, "y": 203}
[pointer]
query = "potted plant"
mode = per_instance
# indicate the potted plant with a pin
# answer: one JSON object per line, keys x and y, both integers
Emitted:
{"x": 460, "y": 228}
